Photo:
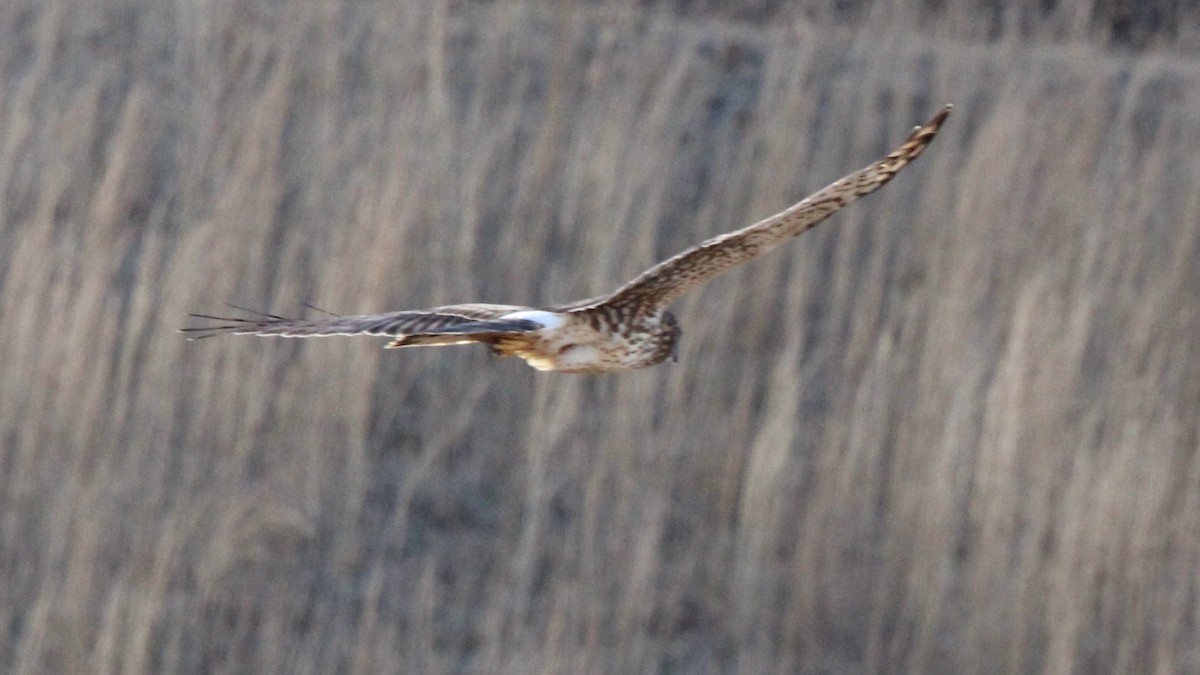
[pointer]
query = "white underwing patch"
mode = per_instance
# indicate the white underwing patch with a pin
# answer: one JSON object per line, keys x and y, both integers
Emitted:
{"x": 538, "y": 316}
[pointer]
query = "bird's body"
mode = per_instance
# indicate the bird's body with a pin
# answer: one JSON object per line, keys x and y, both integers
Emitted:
{"x": 584, "y": 342}
{"x": 628, "y": 328}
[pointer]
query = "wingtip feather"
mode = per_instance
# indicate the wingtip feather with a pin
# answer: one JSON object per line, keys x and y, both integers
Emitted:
{"x": 930, "y": 128}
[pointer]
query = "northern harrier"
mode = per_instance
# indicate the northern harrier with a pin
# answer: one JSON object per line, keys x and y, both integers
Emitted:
{"x": 628, "y": 328}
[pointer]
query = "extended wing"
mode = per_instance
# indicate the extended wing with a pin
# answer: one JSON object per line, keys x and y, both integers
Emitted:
{"x": 452, "y": 324}
{"x": 660, "y": 285}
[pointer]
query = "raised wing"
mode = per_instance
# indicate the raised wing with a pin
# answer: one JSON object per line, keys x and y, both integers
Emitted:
{"x": 660, "y": 285}
{"x": 456, "y": 320}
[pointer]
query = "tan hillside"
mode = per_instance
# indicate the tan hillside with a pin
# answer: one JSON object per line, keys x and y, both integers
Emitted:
{"x": 953, "y": 430}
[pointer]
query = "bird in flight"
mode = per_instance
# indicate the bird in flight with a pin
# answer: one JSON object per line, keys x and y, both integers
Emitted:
{"x": 628, "y": 328}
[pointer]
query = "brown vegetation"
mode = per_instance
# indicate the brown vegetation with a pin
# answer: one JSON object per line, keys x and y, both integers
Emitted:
{"x": 953, "y": 430}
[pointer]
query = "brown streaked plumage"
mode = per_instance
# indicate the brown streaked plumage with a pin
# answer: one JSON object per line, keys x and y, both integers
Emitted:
{"x": 628, "y": 328}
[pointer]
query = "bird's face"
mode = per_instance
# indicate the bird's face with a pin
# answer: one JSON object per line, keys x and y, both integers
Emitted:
{"x": 669, "y": 335}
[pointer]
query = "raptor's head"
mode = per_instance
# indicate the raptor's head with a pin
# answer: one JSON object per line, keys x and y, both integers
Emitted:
{"x": 669, "y": 333}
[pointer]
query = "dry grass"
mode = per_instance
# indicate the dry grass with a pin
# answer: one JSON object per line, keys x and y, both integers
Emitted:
{"x": 955, "y": 430}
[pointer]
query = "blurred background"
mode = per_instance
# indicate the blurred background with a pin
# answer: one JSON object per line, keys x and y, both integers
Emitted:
{"x": 953, "y": 430}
